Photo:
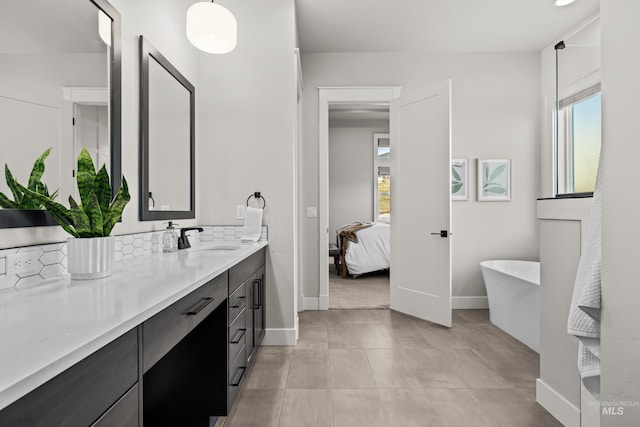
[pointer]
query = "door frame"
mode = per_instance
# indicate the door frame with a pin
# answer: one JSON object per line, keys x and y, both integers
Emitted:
{"x": 328, "y": 95}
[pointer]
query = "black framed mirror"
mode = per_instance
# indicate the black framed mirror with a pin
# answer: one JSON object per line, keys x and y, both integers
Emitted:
{"x": 60, "y": 59}
{"x": 167, "y": 139}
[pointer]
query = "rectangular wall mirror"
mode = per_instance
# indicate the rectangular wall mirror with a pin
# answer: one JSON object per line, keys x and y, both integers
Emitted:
{"x": 59, "y": 88}
{"x": 167, "y": 139}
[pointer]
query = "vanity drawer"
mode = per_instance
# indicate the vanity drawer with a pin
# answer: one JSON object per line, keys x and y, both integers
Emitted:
{"x": 164, "y": 330}
{"x": 237, "y": 302}
{"x": 237, "y": 372}
{"x": 237, "y": 336}
{"x": 239, "y": 273}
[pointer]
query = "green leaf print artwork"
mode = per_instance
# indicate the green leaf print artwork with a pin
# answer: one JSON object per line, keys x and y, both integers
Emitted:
{"x": 494, "y": 179}
{"x": 457, "y": 182}
{"x": 493, "y": 185}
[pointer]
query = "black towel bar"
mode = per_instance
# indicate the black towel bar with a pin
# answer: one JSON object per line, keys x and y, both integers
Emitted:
{"x": 257, "y": 195}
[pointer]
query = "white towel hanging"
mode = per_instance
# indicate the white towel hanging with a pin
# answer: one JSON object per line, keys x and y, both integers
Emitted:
{"x": 584, "y": 313}
{"x": 252, "y": 225}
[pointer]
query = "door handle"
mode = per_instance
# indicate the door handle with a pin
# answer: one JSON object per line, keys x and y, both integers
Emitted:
{"x": 442, "y": 233}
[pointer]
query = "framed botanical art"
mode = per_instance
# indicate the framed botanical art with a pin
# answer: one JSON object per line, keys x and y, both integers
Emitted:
{"x": 459, "y": 179}
{"x": 494, "y": 180}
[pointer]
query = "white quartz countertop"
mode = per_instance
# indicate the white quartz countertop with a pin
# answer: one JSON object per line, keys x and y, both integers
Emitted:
{"x": 46, "y": 329}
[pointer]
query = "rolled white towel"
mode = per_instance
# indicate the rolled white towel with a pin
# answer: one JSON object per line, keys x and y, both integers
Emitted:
{"x": 252, "y": 225}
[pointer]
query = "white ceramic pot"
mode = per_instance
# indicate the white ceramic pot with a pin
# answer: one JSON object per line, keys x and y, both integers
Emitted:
{"x": 89, "y": 258}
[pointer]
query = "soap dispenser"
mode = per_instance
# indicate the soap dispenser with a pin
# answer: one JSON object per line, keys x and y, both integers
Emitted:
{"x": 170, "y": 239}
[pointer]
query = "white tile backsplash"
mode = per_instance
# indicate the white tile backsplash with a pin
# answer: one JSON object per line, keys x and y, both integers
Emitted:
{"x": 53, "y": 262}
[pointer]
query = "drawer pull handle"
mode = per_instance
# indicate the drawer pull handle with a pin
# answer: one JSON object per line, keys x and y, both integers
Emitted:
{"x": 200, "y": 306}
{"x": 257, "y": 300}
{"x": 239, "y": 302}
{"x": 236, "y": 382}
{"x": 236, "y": 339}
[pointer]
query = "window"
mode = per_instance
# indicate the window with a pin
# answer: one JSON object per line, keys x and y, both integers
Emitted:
{"x": 382, "y": 177}
{"x": 579, "y": 140}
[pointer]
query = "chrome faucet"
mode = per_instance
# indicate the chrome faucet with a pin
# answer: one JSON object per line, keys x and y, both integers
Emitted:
{"x": 183, "y": 240}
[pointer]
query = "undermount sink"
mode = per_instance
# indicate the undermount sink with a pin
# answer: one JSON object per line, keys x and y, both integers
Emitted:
{"x": 216, "y": 247}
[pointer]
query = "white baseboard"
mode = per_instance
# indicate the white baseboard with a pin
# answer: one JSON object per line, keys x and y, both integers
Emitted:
{"x": 457, "y": 303}
{"x": 563, "y": 410}
{"x": 466, "y": 303}
{"x": 323, "y": 302}
{"x": 309, "y": 304}
{"x": 279, "y": 337}
{"x": 320, "y": 303}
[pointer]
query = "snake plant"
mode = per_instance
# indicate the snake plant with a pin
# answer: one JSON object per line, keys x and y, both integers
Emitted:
{"x": 97, "y": 213}
{"x": 22, "y": 199}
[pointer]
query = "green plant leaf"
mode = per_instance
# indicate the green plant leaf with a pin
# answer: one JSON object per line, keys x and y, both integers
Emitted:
{"x": 486, "y": 172}
{"x": 496, "y": 172}
{"x": 116, "y": 208}
{"x": 81, "y": 221}
{"x": 456, "y": 187}
{"x": 102, "y": 189}
{"x": 496, "y": 190}
{"x": 95, "y": 215}
{"x": 5, "y": 203}
{"x": 36, "y": 173}
{"x": 23, "y": 200}
{"x": 61, "y": 214}
{"x": 455, "y": 174}
{"x": 53, "y": 196}
{"x": 85, "y": 176}
{"x": 13, "y": 185}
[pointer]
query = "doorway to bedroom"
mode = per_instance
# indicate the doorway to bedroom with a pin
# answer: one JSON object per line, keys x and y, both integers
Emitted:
{"x": 359, "y": 206}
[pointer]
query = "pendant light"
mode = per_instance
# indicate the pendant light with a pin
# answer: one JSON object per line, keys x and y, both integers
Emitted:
{"x": 211, "y": 27}
{"x": 563, "y": 2}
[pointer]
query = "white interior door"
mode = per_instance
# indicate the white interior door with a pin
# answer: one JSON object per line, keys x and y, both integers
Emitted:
{"x": 421, "y": 203}
{"x": 92, "y": 133}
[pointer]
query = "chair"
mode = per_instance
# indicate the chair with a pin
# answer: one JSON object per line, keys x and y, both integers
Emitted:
{"x": 334, "y": 252}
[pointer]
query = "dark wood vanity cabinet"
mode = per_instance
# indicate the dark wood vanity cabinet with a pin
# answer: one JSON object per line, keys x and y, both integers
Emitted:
{"x": 184, "y": 350}
{"x": 193, "y": 372}
{"x": 246, "y": 318}
{"x": 182, "y": 367}
{"x": 95, "y": 391}
{"x": 255, "y": 312}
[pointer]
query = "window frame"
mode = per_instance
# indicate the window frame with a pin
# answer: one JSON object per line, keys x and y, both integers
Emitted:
{"x": 376, "y": 165}
{"x": 564, "y": 167}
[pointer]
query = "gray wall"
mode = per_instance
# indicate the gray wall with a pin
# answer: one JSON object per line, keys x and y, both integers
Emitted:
{"x": 247, "y": 119}
{"x": 621, "y": 207}
{"x": 496, "y": 113}
{"x": 351, "y": 181}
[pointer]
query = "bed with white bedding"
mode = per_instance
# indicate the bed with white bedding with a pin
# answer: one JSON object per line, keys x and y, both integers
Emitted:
{"x": 369, "y": 251}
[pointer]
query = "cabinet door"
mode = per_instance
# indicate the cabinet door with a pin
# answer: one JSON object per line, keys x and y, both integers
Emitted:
{"x": 124, "y": 413}
{"x": 251, "y": 289}
{"x": 258, "y": 310}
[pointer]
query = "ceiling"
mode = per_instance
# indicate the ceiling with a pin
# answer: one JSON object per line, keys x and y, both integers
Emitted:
{"x": 436, "y": 25}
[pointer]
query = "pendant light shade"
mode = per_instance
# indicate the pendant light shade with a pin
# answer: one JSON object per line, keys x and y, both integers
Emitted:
{"x": 563, "y": 2}
{"x": 212, "y": 28}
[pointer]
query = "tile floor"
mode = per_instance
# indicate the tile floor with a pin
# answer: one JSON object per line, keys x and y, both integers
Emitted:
{"x": 381, "y": 368}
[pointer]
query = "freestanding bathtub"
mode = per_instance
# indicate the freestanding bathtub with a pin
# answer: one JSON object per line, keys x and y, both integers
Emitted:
{"x": 513, "y": 290}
